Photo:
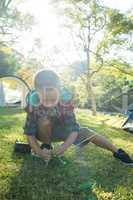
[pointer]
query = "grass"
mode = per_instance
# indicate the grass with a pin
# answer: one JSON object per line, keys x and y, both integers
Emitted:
{"x": 23, "y": 177}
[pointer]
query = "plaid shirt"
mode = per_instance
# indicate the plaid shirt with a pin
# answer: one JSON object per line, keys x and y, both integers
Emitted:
{"x": 60, "y": 116}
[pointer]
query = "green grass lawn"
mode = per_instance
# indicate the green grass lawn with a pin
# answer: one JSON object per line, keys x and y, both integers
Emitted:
{"x": 24, "y": 177}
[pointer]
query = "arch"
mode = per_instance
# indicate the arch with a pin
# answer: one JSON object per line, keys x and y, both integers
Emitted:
{"x": 25, "y": 88}
{"x": 14, "y": 77}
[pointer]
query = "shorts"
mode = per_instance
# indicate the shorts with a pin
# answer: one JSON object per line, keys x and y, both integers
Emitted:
{"x": 61, "y": 134}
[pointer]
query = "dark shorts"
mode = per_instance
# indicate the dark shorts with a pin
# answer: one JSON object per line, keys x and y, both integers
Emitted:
{"x": 60, "y": 134}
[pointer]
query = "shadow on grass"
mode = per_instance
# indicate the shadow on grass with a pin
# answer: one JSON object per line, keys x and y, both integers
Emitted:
{"x": 108, "y": 172}
{"x": 36, "y": 181}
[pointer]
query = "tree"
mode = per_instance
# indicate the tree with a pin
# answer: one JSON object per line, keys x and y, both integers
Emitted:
{"x": 117, "y": 39}
{"x": 87, "y": 19}
{"x": 8, "y": 61}
{"x": 12, "y": 21}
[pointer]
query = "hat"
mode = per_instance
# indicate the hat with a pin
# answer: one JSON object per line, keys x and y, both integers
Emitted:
{"x": 46, "y": 79}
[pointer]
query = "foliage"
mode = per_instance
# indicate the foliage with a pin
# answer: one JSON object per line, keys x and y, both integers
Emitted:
{"x": 9, "y": 61}
{"x": 28, "y": 70}
{"x": 107, "y": 62}
{"x": 118, "y": 34}
{"x": 12, "y": 21}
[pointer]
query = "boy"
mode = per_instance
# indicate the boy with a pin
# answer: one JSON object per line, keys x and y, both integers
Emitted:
{"x": 53, "y": 119}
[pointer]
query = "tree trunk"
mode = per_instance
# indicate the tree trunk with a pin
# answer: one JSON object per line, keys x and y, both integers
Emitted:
{"x": 92, "y": 97}
{"x": 89, "y": 82}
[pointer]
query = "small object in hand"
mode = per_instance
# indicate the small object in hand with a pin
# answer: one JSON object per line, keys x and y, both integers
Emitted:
{"x": 46, "y": 146}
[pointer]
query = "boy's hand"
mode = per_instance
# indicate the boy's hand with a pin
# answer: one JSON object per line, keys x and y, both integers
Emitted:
{"x": 69, "y": 141}
{"x": 60, "y": 150}
{"x": 45, "y": 154}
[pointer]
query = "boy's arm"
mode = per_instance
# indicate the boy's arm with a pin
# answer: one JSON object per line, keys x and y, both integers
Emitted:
{"x": 30, "y": 130}
{"x": 73, "y": 129}
{"x": 69, "y": 141}
{"x": 44, "y": 154}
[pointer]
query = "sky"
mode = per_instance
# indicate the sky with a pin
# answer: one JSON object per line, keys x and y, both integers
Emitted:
{"x": 122, "y": 5}
{"x": 55, "y": 40}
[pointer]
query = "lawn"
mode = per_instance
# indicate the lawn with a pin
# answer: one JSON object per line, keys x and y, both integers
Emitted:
{"x": 25, "y": 177}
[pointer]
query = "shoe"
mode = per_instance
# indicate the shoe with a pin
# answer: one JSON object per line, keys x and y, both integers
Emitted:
{"x": 46, "y": 146}
{"x": 123, "y": 156}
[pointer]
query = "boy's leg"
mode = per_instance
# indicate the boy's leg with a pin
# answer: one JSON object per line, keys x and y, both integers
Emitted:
{"x": 44, "y": 132}
{"x": 96, "y": 139}
{"x": 100, "y": 141}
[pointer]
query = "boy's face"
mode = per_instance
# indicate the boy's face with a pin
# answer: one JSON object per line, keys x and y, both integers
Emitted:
{"x": 49, "y": 97}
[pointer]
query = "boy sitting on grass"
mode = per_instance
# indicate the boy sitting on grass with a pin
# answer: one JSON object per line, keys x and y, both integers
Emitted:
{"x": 53, "y": 119}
